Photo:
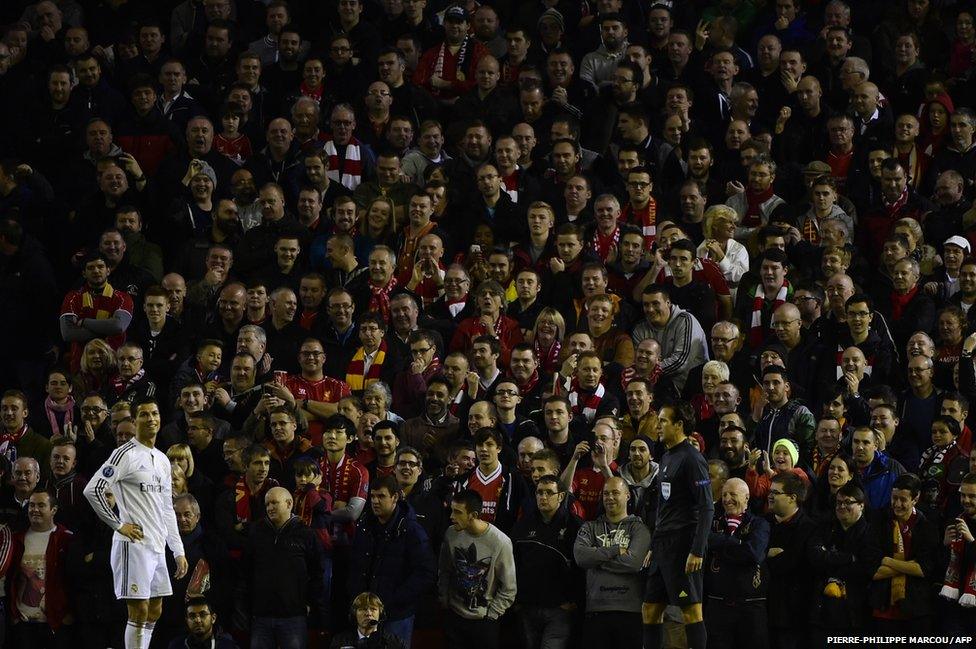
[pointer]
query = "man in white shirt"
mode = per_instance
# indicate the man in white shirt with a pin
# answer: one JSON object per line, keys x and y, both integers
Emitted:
{"x": 140, "y": 478}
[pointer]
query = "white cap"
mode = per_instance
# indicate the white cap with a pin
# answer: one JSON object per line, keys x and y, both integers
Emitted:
{"x": 956, "y": 240}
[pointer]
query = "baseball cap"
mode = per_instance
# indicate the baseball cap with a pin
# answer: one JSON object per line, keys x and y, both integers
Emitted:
{"x": 456, "y": 13}
{"x": 956, "y": 240}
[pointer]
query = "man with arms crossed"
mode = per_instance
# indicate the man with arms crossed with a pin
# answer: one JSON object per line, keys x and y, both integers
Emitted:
{"x": 139, "y": 476}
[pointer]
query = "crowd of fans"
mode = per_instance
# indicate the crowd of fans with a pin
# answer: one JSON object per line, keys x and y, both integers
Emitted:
{"x": 419, "y": 287}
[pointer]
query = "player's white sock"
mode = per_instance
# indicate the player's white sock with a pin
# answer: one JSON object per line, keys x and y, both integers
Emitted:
{"x": 147, "y": 634}
{"x": 134, "y": 632}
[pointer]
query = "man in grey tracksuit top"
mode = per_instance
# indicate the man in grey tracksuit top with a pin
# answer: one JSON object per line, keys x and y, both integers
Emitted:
{"x": 612, "y": 550}
{"x": 681, "y": 337}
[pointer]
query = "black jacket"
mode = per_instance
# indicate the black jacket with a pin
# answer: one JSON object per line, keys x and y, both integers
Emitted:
{"x": 285, "y": 570}
{"x": 925, "y": 545}
{"x": 394, "y": 561}
{"x": 544, "y": 564}
{"x": 790, "y": 572}
{"x": 849, "y": 556}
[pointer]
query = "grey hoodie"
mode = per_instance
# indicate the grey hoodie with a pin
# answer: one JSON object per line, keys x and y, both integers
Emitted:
{"x": 683, "y": 344}
{"x": 613, "y": 580}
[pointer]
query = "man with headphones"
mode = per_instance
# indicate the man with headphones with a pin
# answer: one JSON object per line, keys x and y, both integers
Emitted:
{"x": 367, "y": 614}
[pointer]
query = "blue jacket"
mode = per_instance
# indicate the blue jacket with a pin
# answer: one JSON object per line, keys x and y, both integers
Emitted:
{"x": 394, "y": 561}
{"x": 877, "y": 479}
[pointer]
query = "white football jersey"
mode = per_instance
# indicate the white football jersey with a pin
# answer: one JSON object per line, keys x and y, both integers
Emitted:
{"x": 141, "y": 480}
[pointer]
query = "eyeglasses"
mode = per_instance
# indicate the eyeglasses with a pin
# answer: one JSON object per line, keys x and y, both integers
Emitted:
{"x": 545, "y": 493}
{"x": 717, "y": 339}
{"x": 408, "y": 464}
{"x": 455, "y": 280}
{"x": 311, "y": 354}
{"x": 420, "y": 352}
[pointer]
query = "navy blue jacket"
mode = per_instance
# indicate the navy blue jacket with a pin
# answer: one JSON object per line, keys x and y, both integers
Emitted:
{"x": 735, "y": 568}
{"x": 394, "y": 561}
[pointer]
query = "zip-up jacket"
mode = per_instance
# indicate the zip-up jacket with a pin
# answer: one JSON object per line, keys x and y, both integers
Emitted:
{"x": 683, "y": 344}
{"x": 735, "y": 567}
{"x": 285, "y": 569}
{"x": 544, "y": 562}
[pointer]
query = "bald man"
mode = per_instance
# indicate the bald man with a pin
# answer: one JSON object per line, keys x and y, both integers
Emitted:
{"x": 735, "y": 578}
{"x": 803, "y": 357}
{"x": 613, "y": 562}
{"x": 287, "y": 562}
{"x": 873, "y": 123}
{"x": 526, "y": 449}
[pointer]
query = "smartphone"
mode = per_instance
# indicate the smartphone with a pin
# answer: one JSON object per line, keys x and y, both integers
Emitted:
{"x": 266, "y": 389}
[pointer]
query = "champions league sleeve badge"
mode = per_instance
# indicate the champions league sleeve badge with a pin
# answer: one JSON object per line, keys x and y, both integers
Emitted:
{"x": 108, "y": 472}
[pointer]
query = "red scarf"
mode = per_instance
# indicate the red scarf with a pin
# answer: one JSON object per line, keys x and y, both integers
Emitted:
{"x": 120, "y": 385}
{"x": 956, "y": 586}
{"x": 314, "y": 93}
{"x": 586, "y": 403}
{"x": 432, "y": 370}
{"x": 603, "y": 243}
{"x": 756, "y": 333}
{"x": 379, "y": 299}
{"x": 892, "y": 209}
{"x": 899, "y": 302}
{"x": 548, "y": 361}
{"x": 12, "y": 438}
{"x": 754, "y": 203}
{"x": 530, "y": 384}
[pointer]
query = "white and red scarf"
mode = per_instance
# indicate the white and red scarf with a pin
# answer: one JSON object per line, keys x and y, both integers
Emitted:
{"x": 379, "y": 298}
{"x": 350, "y": 173}
{"x": 756, "y": 333}
{"x": 586, "y": 404}
{"x": 458, "y": 62}
{"x": 120, "y": 385}
{"x": 602, "y": 244}
{"x": 548, "y": 360}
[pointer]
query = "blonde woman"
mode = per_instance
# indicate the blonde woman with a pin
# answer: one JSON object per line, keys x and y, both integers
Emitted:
{"x": 98, "y": 367}
{"x": 181, "y": 457}
{"x": 546, "y": 337}
{"x": 720, "y": 222}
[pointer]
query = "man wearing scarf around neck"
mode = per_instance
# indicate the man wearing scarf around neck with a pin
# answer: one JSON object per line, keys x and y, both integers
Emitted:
{"x": 757, "y": 304}
{"x": 447, "y": 70}
{"x": 95, "y": 310}
{"x": 587, "y": 394}
{"x": 17, "y": 439}
{"x": 237, "y": 508}
{"x": 131, "y": 384}
{"x": 909, "y": 542}
{"x": 910, "y": 308}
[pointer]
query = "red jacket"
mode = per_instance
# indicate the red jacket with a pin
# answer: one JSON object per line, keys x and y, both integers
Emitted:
{"x": 55, "y": 584}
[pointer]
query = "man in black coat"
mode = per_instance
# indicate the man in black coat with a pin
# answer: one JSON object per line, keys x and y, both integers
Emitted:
{"x": 285, "y": 570}
{"x": 789, "y": 572}
{"x": 392, "y": 556}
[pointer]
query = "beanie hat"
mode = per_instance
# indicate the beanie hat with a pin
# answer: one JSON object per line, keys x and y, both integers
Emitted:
{"x": 790, "y": 447}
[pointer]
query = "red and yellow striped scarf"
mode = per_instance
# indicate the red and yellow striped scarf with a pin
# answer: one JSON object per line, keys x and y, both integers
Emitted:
{"x": 355, "y": 372}
{"x": 88, "y": 302}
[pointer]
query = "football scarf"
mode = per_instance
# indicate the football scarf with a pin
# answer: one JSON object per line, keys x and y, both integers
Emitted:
{"x": 379, "y": 299}
{"x": 586, "y": 404}
{"x": 756, "y": 333}
{"x": 88, "y": 302}
{"x": 355, "y": 378}
{"x": 350, "y": 173}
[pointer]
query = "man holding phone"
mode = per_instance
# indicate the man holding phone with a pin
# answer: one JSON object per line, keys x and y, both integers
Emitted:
{"x": 959, "y": 585}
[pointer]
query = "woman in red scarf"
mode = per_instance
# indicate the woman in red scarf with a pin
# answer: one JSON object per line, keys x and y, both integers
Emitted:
{"x": 546, "y": 337}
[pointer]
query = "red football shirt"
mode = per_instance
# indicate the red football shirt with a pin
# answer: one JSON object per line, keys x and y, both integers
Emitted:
{"x": 489, "y": 487}
{"x": 326, "y": 390}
